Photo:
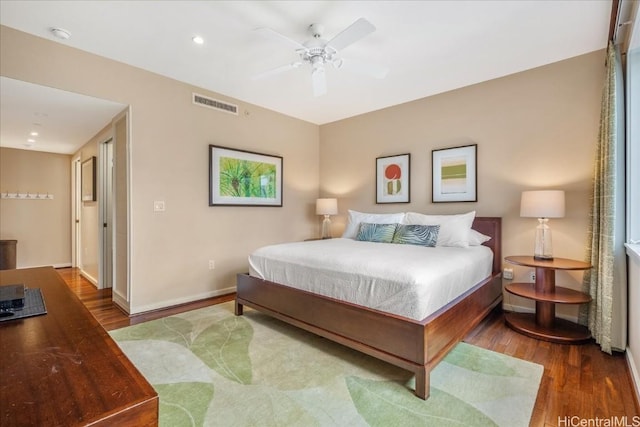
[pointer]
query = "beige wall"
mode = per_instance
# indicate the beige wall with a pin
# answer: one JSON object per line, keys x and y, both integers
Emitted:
{"x": 169, "y": 161}
{"x": 536, "y": 129}
{"x": 41, "y": 227}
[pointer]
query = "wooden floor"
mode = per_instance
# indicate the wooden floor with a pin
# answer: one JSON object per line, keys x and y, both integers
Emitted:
{"x": 580, "y": 383}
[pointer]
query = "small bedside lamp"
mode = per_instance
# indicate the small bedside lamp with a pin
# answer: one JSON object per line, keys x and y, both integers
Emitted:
{"x": 543, "y": 205}
{"x": 326, "y": 207}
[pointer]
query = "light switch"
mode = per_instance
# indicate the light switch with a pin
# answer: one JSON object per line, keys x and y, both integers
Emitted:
{"x": 158, "y": 206}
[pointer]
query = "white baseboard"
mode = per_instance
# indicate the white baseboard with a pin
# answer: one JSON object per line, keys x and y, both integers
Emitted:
{"x": 635, "y": 375}
{"x": 517, "y": 308}
{"x": 61, "y": 265}
{"x": 521, "y": 309}
{"x": 120, "y": 301}
{"x": 88, "y": 277}
{"x": 179, "y": 301}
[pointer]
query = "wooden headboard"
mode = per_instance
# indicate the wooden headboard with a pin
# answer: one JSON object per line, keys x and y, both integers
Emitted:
{"x": 491, "y": 226}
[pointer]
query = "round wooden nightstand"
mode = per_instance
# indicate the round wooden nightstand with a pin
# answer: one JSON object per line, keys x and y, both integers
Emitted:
{"x": 543, "y": 323}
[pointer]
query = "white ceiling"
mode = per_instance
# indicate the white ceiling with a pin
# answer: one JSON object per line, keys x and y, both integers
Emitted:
{"x": 64, "y": 121}
{"x": 429, "y": 47}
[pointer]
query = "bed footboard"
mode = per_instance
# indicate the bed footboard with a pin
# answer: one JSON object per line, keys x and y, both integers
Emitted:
{"x": 416, "y": 346}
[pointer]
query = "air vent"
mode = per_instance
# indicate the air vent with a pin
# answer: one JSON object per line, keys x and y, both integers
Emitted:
{"x": 205, "y": 101}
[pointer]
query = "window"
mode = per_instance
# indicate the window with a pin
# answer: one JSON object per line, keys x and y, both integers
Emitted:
{"x": 633, "y": 139}
{"x": 632, "y": 83}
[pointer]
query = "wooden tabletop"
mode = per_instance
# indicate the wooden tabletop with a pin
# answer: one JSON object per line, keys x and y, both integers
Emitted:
{"x": 63, "y": 368}
{"x": 555, "y": 263}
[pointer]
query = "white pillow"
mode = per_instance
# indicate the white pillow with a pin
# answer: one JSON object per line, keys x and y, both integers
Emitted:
{"x": 355, "y": 218}
{"x": 476, "y": 238}
{"x": 454, "y": 229}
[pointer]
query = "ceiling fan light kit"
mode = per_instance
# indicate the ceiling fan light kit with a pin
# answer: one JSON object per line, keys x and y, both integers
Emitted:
{"x": 317, "y": 52}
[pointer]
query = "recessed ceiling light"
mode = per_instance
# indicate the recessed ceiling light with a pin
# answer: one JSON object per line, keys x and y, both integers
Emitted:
{"x": 197, "y": 40}
{"x": 34, "y": 133}
{"x": 60, "y": 33}
{"x": 31, "y": 140}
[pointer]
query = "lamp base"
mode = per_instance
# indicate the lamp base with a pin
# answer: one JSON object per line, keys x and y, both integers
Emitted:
{"x": 543, "y": 250}
{"x": 326, "y": 227}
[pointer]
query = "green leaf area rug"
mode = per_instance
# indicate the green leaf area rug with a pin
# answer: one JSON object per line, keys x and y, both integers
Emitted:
{"x": 211, "y": 368}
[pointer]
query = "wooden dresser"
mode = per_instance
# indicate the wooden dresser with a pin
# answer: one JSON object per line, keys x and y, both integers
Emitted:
{"x": 63, "y": 368}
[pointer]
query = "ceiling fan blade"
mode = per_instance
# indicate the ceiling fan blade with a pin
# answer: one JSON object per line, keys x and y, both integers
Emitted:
{"x": 276, "y": 70}
{"x": 351, "y": 34}
{"x": 319, "y": 81}
{"x": 274, "y": 35}
{"x": 355, "y": 66}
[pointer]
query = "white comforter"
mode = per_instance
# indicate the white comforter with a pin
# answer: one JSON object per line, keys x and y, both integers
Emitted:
{"x": 406, "y": 280}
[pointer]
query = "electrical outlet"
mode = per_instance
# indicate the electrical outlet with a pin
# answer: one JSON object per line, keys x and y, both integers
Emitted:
{"x": 212, "y": 264}
{"x": 507, "y": 273}
{"x": 532, "y": 276}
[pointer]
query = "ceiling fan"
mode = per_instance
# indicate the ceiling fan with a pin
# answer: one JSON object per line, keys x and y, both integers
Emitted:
{"x": 318, "y": 52}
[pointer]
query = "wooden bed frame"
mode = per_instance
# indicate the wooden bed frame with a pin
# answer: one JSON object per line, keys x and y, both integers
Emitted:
{"x": 414, "y": 345}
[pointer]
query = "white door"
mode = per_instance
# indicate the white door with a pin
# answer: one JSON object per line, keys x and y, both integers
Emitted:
{"x": 76, "y": 170}
{"x": 106, "y": 213}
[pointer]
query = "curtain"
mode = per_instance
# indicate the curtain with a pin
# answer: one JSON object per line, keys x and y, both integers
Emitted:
{"x": 606, "y": 282}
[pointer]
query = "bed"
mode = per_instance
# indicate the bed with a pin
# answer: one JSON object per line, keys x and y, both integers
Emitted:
{"x": 414, "y": 345}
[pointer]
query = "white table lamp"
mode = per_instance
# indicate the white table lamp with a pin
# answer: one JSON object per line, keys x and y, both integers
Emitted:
{"x": 326, "y": 207}
{"x": 543, "y": 205}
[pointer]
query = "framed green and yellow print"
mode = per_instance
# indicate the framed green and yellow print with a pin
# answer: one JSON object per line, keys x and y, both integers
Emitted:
{"x": 244, "y": 178}
{"x": 392, "y": 179}
{"x": 455, "y": 174}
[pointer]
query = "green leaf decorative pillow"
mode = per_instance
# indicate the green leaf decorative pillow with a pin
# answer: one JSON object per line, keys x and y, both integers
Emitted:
{"x": 423, "y": 235}
{"x": 380, "y": 233}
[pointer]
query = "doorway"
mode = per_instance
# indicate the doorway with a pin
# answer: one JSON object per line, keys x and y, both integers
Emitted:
{"x": 100, "y": 242}
{"x": 92, "y": 222}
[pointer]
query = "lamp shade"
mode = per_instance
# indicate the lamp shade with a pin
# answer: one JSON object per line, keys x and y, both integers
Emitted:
{"x": 542, "y": 204}
{"x": 326, "y": 206}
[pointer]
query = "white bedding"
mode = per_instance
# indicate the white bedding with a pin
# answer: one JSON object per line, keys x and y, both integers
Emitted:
{"x": 406, "y": 280}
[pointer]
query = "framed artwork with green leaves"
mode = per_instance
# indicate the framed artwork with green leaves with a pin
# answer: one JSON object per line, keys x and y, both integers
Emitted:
{"x": 244, "y": 178}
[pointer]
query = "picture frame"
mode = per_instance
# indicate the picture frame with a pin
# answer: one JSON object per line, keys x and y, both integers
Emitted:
{"x": 393, "y": 179}
{"x": 455, "y": 174}
{"x": 88, "y": 180}
{"x": 244, "y": 178}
